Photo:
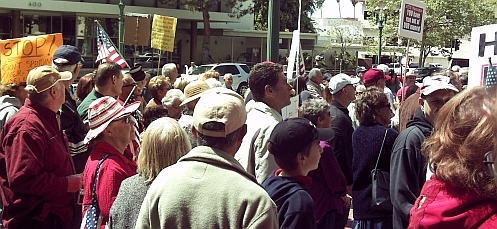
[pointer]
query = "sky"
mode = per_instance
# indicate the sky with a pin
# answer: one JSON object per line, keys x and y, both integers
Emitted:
{"x": 330, "y": 9}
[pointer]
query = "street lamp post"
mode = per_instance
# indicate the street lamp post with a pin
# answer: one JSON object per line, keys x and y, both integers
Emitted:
{"x": 121, "y": 27}
{"x": 381, "y": 18}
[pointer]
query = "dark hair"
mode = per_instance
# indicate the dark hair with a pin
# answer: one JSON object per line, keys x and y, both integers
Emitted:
{"x": 262, "y": 74}
{"x": 411, "y": 90}
{"x": 289, "y": 162}
{"x": 299, "y": 84}
{"x": 464, "y": 79}
{"x": 153, "y": 113}
{"x": 105, "y": 71}
{"x": 217, "y": 142}
{"x": 85, "y": 85}
{"x": 367, "y": 103}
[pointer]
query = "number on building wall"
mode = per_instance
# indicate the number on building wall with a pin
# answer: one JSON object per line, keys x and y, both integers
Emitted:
{"x": 34, "y": 4}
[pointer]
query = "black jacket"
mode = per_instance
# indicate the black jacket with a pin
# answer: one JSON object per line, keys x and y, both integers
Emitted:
{"x": 408, "y": 168}
{"x": 341, "y": 144}
{"x": 295, "y": 205}
{"x": 76, "y": 130}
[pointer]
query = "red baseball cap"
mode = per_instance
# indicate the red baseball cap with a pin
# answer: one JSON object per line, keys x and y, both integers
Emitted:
{"x": 373, "y": 75}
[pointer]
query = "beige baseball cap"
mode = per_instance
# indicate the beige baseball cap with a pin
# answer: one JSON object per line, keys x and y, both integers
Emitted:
{"x": 43, "y": 78}
{"x": 219, "y": 105}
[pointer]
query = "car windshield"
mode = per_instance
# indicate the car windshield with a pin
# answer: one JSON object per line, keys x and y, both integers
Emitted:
{"x": 200, "y": 69}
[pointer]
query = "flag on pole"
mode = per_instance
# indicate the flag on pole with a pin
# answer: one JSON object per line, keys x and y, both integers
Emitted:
{"x": 491, "y": 79}
{"x": 301, "y": 62}
{"x": 106, "y": 50}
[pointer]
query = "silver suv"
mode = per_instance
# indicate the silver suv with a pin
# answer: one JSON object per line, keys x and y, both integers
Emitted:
{"x": 239, "y": 71}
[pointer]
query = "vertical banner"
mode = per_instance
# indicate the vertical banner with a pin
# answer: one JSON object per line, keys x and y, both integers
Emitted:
{"x": 137, "y": 29}
{"x": 411, "y": 21}
{"x": 163, "y": 32}
{"x": 20, "y": 55}
{"x": 483, "y": 46}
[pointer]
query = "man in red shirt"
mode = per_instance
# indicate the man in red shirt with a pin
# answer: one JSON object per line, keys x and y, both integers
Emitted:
{"x": 37, "y": 174}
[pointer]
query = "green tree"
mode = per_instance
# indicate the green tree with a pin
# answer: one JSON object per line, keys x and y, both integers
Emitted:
{"x": 343, "y": 34}
{"x": 204, "y": 6}
{"x": 444, "y": 21}
{"x": 289, "y": 12}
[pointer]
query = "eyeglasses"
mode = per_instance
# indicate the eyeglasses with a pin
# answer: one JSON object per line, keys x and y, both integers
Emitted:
{"x": 127, "y": 119}
{"x": 489, "y": 161}
{"x": 130, "y": 85}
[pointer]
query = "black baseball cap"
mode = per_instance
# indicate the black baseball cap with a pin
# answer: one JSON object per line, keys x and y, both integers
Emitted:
{"x": 67, "y": 55}
{"x": 291, "y": 135}
{"x": 137, "y": 73}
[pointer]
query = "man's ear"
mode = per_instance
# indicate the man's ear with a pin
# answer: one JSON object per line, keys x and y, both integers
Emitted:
{"x": 194, "y": 133}
{"x": 268, "y": 90}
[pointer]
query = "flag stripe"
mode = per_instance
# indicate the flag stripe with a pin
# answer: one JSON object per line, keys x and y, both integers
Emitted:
{"x": 106, "y": 50}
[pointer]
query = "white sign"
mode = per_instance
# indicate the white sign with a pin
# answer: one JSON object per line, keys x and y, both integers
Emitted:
{"x": 291, "y": 110}
{"x": 412, "y": 19}
{"x": 483, "y": 46}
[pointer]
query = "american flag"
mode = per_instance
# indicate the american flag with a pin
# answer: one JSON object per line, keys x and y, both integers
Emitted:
{"x": 106, "y": 50}
{"x": 301, "y": 63}
{"x": 490, "y": 80}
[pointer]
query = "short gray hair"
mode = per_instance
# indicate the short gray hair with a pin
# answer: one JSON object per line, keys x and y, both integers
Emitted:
{"x": 313, "y": 109}
{"x": 167, "y": 68}
{"x": 313, "y": 72}
{"x": 172, "y": 96}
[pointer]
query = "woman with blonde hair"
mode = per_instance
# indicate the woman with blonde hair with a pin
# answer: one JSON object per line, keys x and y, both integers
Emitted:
{"x": 461, "y": 193}
{"x": 163, "y": 143}
{"x": 158, "y": 87}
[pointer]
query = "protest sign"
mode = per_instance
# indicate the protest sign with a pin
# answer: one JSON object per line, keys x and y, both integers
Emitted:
{"x": 137, "y": 29}
{"x": 20, "y": 55}
{"x": 411, "y": 22}
{"x": 163, "y": 32}
{"x": 483, "y": 46}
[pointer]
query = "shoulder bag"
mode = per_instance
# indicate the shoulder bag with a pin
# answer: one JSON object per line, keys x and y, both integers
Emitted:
{"x": 381, "y": 185}
{"x": 92, "y": 218}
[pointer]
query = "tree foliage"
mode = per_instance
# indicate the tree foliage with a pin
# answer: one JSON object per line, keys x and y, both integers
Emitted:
{"x": 289, "y": 12}
{"x": 343, "y": 34}
{"x": 445, "y": 20}
{"x": 204, "y": 6}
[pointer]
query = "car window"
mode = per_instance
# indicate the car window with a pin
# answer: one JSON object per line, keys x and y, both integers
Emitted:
{"x": 200, "y": 69}
{"x": 221, "y": 70}
{"x": 245, "y": 68}
{"x": 232, "y": 69}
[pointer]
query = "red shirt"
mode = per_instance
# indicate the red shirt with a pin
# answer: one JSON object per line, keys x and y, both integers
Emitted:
{"x": 113, "y": 171}
{"x": 443, "y": 206}
{"x": 34, "y": 163}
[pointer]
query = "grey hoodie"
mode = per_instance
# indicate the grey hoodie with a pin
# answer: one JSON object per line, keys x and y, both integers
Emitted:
{"x": 9, "y": 106}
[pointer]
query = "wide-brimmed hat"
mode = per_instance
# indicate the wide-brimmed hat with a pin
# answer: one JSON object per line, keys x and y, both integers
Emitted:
{"x": 43, "y": 78}
{"x": 103, "y": 111}
{"x": 194, "y": 90}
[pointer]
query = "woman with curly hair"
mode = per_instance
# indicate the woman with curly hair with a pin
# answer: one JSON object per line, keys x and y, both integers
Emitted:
{"x": 372, "y": 144}
{"x": 461, "y": 193}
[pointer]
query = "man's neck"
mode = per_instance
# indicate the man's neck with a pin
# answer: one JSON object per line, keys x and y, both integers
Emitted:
{"x": 104, "y": 91}
{"x": 272, "y": 104}
{"x": 342, "y": 102}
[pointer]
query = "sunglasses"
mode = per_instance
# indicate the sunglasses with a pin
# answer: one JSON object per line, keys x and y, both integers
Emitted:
{"x": 489, "y": 161}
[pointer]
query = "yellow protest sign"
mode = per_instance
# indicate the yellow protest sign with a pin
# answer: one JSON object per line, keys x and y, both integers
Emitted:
{"x": 163, "y": 32}
{"x": 20, "y": 55}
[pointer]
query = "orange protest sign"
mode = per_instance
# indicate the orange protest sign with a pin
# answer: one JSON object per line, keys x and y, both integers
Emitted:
{"x": 20, "y": 55}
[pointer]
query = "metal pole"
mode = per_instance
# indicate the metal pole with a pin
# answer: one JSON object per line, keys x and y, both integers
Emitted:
{"x": 121, "y": 27}
{"x": 380, "y": 27}
{"x": 273, "y": 30}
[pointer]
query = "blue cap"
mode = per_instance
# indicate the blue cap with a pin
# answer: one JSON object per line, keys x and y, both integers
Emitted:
{"x": 360, "y": 69}
{"x": 67, "y": 55}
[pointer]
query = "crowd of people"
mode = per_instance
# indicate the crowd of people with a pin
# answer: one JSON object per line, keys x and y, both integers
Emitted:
{"x": 136, "y": 149}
